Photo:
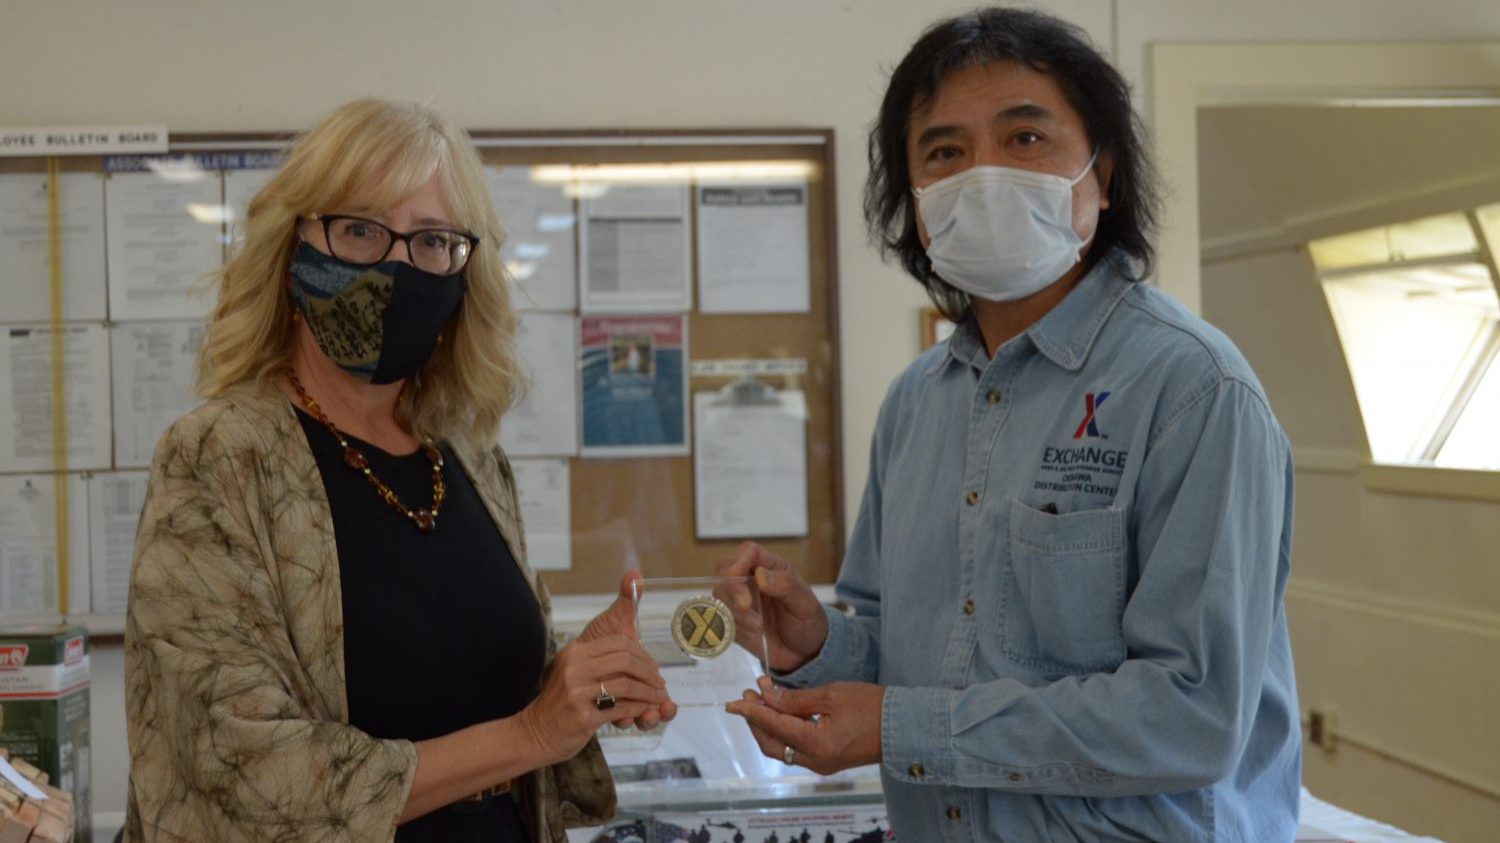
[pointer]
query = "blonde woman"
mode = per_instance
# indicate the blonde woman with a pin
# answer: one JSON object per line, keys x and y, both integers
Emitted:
{"x": 333, "y": 633}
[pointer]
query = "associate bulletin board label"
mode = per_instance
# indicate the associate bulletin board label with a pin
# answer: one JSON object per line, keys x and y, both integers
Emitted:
{"x": 82, "y": 140}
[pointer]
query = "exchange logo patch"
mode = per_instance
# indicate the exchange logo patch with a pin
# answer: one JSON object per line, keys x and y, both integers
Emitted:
{"x": 1089, "y": 426}
{"x": 1086, "y": 468}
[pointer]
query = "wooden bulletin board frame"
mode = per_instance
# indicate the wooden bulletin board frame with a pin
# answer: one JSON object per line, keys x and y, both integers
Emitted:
{"x": 639, "y": 512}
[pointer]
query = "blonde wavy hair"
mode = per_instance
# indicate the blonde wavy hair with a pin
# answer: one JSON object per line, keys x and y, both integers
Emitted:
{"x": 366, "y": 157}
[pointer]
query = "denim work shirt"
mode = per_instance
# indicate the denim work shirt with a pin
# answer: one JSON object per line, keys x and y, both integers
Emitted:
{"x": 1067, "y": 571}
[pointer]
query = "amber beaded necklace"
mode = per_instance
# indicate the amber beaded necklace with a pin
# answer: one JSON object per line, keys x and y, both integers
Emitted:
{"x": 425, "y": 519}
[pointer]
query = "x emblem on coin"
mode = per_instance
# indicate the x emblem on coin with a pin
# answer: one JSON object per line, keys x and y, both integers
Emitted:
{"x": 703, "y": 627}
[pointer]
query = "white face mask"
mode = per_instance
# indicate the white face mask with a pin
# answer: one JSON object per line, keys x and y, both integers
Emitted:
{"x": 1000, "y": 233}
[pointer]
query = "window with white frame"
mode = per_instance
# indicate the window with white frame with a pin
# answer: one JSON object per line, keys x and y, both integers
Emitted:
{"x": 1418, "y": 315}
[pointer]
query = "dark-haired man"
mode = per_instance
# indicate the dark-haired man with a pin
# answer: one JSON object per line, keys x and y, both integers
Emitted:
{"x": 1068, "y": 568}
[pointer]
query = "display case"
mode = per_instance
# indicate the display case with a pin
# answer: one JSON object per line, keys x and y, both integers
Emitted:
{"x": 701, "y": 778}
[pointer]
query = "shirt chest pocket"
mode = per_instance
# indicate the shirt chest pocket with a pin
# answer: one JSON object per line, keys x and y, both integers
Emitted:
{"x": 1064, "y": 589}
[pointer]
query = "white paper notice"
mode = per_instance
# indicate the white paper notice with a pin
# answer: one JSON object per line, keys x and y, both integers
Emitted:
{"x": 545, "y": 423}
{"x": 752, "y": 248}
{"x": 26, "y": 397}
{"x": 158, "y": 249}
{"x": 750, "y": 465}
{"x": 541, "y": 239}
{"x": 543, "y": 488}
{"x": 240, "y": 186}
{"x": 154, "y": 364}
{"x": 80, "y": 587}
{"x": 28, "y": 544}
{"x": 114, "y": 500}
{"x": 635, "y": 249}
{"x": 24, "y": 256}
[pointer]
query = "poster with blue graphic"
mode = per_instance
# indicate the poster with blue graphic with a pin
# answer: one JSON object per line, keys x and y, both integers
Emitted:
{"x": 633, "y": 378}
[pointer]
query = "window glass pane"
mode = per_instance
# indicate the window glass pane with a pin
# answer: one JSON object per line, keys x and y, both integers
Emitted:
{"x": 1474, "y": 442}
{"x": 1446, "y": 234}
{"x": 1409, "y": 337}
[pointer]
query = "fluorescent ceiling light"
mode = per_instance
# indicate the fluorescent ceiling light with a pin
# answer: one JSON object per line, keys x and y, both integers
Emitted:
{"x": 554, "y": 222}
{"x": 211, "y": 213}
{"x": 179, "y": 170}
{"x": 520, "y": 270}
{"x": 531, "y": 251}
{"x": 572, "y": 174}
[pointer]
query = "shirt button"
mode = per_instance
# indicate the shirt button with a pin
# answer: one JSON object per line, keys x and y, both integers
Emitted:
{"x": 916, "y": 770}
{"x": 972, "y": 497}
{"x": 1015, "y": 777}
{"x": 969, "y": 607}
{"x": 954, "y": 813}
{"x": 993, "y": 397}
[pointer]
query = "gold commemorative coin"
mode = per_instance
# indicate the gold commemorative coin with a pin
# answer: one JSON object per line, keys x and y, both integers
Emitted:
{"x": 703, "y": 627}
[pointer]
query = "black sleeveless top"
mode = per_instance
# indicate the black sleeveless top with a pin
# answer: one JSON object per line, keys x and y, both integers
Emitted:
{"x": 441, "y": 630}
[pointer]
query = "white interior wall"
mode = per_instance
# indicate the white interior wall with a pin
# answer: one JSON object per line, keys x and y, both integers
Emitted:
{"x": 278, "y": 64}
{"x": 1141, "y": 23}
{"x": 1336, "y": 167}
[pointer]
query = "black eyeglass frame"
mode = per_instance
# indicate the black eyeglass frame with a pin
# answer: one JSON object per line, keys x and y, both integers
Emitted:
{"x": 396, "y": 237}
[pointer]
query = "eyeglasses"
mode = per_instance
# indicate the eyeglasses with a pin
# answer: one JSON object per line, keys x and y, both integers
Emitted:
{"x": 365, "y": 242}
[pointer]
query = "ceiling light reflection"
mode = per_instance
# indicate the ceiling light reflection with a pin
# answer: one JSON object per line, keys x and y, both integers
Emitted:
{"x": 605, "y": 174}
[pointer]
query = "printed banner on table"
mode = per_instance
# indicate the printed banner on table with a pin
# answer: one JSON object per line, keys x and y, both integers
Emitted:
{"x": 813, "y": 824}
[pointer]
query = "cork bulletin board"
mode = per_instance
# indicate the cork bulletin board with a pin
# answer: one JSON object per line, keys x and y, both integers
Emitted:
{"x": 113, "y": 327}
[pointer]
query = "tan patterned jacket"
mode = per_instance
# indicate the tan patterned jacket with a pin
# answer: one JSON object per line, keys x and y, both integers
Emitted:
{"x": 234, "y": 649}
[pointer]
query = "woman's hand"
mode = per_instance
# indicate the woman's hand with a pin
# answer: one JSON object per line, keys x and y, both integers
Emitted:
{"x": 565, "y": 714}
{"x": 790, "y": 615}
{"x": 619, "y": 619}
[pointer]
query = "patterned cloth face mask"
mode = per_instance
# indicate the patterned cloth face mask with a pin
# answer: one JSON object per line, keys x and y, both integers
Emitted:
{"x": 378, "y": 323}
{"x": 1001, "y": 233}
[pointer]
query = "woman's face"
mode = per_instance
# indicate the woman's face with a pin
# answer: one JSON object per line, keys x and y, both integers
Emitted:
{"x": 347, "y": 303}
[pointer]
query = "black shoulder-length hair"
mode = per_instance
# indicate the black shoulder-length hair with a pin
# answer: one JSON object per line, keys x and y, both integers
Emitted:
{"x": 1092, "y": 86}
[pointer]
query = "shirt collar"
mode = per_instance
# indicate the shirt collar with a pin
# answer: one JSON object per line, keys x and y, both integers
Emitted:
{"x": 965, "y": 347}
{"x": 1067, "y": 332}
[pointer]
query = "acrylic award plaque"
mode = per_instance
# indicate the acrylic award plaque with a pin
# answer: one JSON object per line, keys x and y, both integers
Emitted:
{"x": 695, "y": 627}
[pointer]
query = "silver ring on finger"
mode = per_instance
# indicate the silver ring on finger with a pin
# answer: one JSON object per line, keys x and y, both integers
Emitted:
{"x": 605, "y": 700}
{"x": 788, "y": 756}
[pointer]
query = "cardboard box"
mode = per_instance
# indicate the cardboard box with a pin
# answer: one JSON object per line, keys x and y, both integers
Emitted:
{"x": 18, "y": 827}
{"x": 52, "y": 829}
{"x": 44, "y": 708}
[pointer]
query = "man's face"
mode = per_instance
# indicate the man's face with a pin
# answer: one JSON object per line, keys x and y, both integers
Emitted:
{"x": 1005, "y": 114}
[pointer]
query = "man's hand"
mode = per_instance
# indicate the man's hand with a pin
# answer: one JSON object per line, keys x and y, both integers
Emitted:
{"x": 845, "y": 734}
{"x": 790, "y": 616}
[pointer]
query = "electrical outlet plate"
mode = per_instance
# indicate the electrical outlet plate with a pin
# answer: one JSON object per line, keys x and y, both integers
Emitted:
{"x": 1322, "y": 729}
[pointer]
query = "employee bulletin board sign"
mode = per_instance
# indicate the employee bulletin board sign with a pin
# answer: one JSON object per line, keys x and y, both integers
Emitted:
{"x": 649, "y": 269}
